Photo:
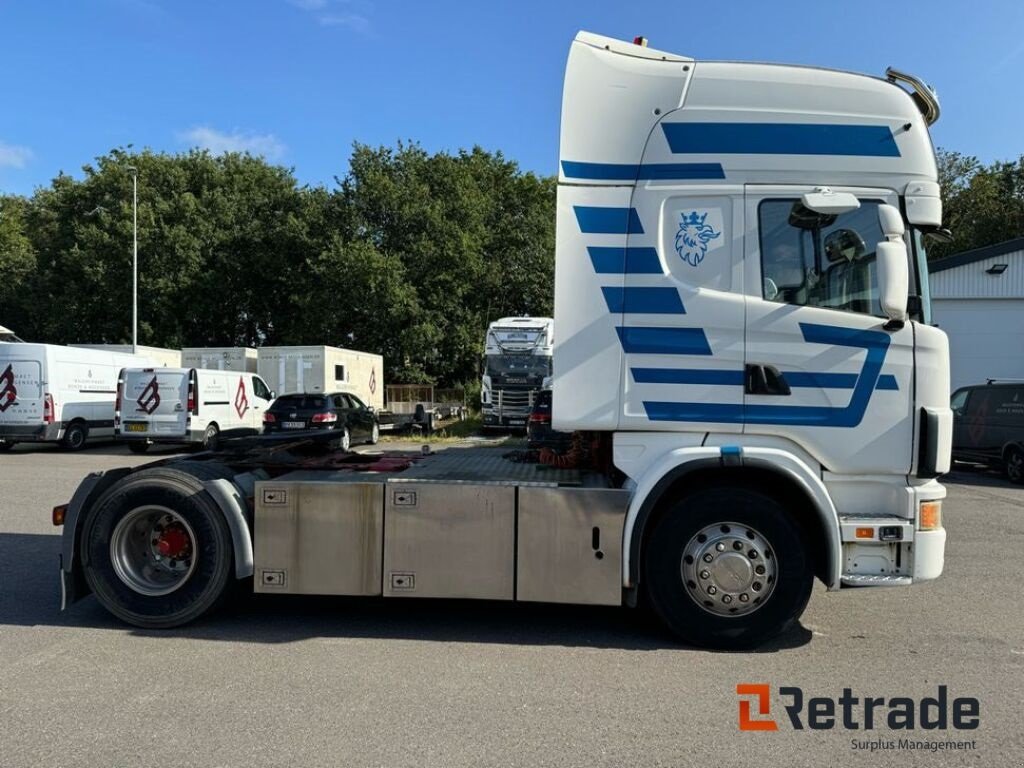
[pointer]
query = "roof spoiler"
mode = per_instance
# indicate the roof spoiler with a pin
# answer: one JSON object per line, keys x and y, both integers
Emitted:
{"x": 924, "y": 95}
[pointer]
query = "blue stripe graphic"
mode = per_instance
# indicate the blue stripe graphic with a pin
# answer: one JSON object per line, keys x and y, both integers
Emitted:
{"x": 596, "y": 220}
{"x": 780, "y": 139}
{"x": 664, "y": 341}
{"x": 649, "y": 301}
{"x": 686, "y": 376}
{"x": 625, "y": 261}
{"x": 876, "y": 344}
{"x": 794, "y": 379}
{"x": 645, "y": 172}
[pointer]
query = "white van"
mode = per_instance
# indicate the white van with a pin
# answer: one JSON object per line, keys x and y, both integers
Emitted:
{"x": 50, "y": 393}
{"x": 188, "y": 405}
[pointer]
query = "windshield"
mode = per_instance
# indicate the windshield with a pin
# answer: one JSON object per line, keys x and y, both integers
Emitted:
{"x": 518, "y": 365}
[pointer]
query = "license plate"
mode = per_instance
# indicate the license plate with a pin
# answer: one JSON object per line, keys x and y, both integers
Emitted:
{"x": 135, "y": 427}
{"x": 293, "y": 424}
{"x": 516, "y": 422}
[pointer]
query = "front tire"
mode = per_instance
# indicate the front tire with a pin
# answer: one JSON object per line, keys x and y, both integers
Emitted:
{"x": 5, "y": 446}
{"x": 156, "y": 549}
{"x": 75, "y": 436}
{"x": 727, "y": 568}
{"x": 1013, "y": 465}
{"x": 138, "y": 446}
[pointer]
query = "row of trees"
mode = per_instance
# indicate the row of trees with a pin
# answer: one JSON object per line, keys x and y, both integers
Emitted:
{"x": 411, "y": 255}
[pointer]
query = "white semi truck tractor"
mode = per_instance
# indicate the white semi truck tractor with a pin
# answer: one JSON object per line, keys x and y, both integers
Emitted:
{"x": 742, "y": 307}
{"x": 517, "y": 365}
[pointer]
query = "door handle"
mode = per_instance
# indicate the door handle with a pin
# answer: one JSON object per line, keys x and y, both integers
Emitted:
{"x": 764, "y": 380}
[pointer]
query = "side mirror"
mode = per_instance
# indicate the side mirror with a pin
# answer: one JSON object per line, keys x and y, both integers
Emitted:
{"x": 273, "y": 395}
{"x": 891, "y": 263}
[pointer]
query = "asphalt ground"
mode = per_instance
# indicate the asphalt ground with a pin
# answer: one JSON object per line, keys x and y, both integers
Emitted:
{"x": 281, "y": 681}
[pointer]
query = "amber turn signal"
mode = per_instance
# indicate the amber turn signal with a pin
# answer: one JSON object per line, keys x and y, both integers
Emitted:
{"x": 930, "y": 516}
{"x": 865, "y": 533}
{"x": 58, "y": 514}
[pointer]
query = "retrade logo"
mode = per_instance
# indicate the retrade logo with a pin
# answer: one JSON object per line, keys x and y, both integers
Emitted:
{"x": 149, "y": 400}
{"x": 763, "y": 695}
{"x": 373, "y": 380}
{"x": 8, "y": 392}
{"x": 241, "y": 400}
{"x": 850, "y": 712}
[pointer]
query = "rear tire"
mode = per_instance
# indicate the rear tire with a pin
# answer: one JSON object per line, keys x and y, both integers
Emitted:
{"x": 5, "y": 446}
{"x": 749, "y": 522}
{"x": 197, "y": 591}
{"x": 1013, "y": 465}
{"x": 138, "y": 447}
{"x": 211, "y": 438}
{"x": 345, "y": 441}
{"x": 375, "y": 434}
{"x": 75, "y": 436}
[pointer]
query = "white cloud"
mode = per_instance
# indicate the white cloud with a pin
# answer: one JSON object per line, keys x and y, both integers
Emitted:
{"x": 13, "y": 156}
{"x": 353, "y": 21}
{"x": 218, "y": 142}
{"x": 352, "y": 14}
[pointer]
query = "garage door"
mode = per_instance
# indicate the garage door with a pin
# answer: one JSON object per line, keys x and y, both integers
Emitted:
{"x": 986, "y": 338}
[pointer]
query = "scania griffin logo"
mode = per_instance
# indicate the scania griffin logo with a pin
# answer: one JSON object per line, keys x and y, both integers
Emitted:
{"x": 149, "y": 400}
{"x": 8, "y": 392}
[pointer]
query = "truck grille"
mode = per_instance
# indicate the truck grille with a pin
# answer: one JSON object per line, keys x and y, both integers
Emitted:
{"x": 514, "y": 402}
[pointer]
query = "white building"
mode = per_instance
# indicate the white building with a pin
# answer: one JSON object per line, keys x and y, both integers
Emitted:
{"x": 978, "y": 299}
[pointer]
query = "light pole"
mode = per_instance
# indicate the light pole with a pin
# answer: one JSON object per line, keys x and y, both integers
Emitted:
{"x": 135, "y": 257}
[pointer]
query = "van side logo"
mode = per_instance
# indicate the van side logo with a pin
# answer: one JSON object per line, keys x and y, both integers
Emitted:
{"x": 373, "y": 380}
{"x": 761, "y": 691}
{"x": 693, "y": 237}
{"x": 241, "y": 401}
{"x": 8, "y": 392}
{"x": 149, "y": 400}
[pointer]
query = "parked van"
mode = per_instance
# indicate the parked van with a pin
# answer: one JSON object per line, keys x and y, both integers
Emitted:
{"x": 55, "y": 394}
{"x": 188, "y": 405}
{"x": 988, "y": 426}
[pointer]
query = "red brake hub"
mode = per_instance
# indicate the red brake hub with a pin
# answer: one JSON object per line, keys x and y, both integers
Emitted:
{"x": 173, "y": 542}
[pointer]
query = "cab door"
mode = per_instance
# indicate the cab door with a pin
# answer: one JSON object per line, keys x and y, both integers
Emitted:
{"x": 824, "y": 368}
{"x": 680, "y": 308}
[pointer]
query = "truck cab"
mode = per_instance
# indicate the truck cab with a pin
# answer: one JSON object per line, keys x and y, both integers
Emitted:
{"x": 517, "y": 366}
{"x": 741, "y": 276}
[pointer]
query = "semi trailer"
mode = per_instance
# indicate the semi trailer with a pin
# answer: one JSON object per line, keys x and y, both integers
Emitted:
{"x": 744, "y": 352}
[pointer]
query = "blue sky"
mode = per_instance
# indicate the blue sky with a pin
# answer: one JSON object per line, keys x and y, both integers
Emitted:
{"x": 299, "y": 80}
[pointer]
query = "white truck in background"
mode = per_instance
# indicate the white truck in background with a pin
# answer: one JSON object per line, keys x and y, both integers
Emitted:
{"x": 517, "y": 365}
{"x": 220, "y": 358}
{"x": 55, "y": 394}
{"x": 322, "y": 369}
{"x": 743, "y": 347}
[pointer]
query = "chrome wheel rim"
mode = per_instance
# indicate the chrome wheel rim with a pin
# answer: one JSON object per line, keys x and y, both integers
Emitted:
{"x": 153, "y": 550}
{"x": 346, "y": 441}
{"x": 729, "y": 569}
{"x": 375, "y": 436}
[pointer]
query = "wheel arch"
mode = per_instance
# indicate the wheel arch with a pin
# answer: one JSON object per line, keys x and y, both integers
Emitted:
{"x": 227, "y": 496}
{"x": 771, "y": 471}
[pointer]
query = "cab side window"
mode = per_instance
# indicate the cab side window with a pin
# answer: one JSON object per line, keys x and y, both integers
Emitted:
{"x": 356, "y": 402}
{"x": 340, "y": 402}
{"x": 817, "y": 260}
{"x": 260, "y": 389}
